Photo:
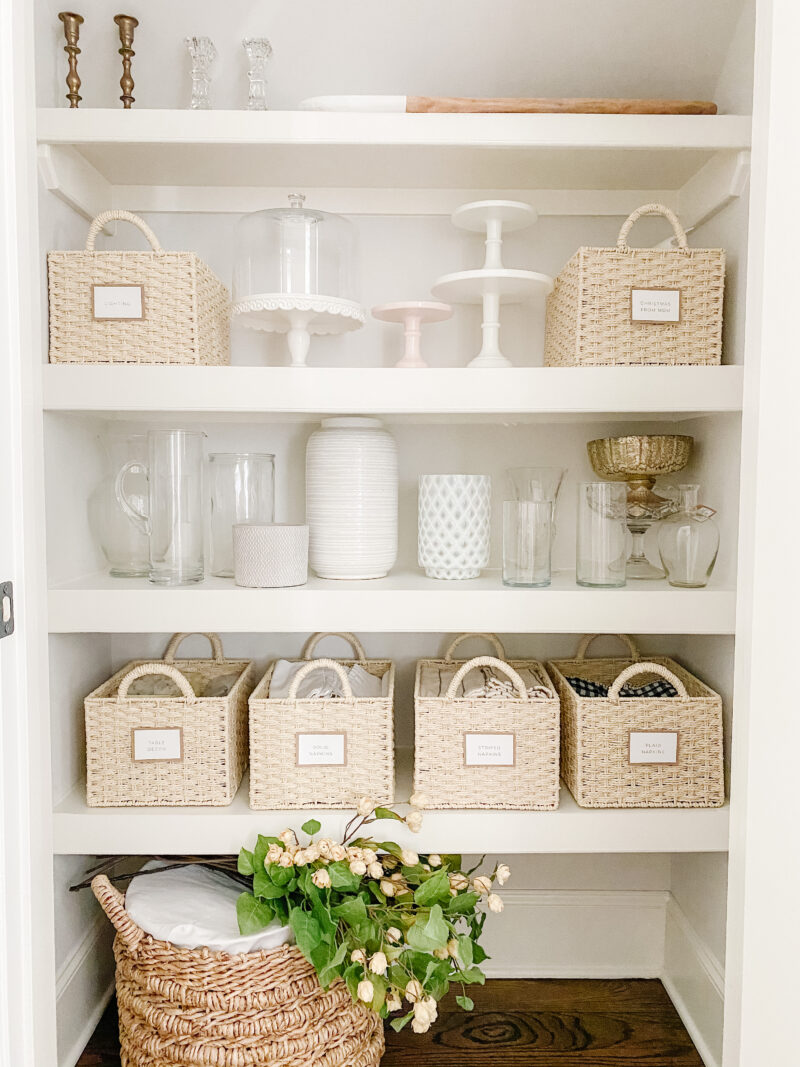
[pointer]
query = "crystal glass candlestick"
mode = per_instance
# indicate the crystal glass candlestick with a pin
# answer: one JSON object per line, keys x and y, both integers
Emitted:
{"x": 688, "y": 542}
{"x": 258, "y": 51}
{"x": 203, "y": 53}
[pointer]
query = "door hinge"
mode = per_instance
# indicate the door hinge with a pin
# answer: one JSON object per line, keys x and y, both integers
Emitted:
{"x": 6, "y": 609}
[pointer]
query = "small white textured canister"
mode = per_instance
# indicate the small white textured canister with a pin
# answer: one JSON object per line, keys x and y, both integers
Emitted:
{"x": 455, "y": 513}
{"x": 270, "y": 556}
{"x": 351, "y": 499}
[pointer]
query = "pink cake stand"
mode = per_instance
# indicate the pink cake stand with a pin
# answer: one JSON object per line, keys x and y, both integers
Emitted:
{"x": 412, "y": 314}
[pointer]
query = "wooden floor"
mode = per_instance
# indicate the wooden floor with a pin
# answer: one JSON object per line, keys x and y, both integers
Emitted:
{"x": 523, "y": 1023}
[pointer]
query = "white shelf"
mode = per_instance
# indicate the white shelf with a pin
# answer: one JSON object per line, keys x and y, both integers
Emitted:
{"x": 459, "y": 394}
{"x": 403, "y": 602}
{"x": 80, "y": 830}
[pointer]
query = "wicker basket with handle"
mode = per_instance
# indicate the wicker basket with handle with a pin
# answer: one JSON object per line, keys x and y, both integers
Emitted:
{"x": 591, "y": 319}
{"x": 496, "y": 751}
{"x": 183, "y": 1007}
{"x": 605, "y": 740}
{"x": 174, "y": 309}
{"x": 360, "y": 729}
{"x": 144, "y": 750}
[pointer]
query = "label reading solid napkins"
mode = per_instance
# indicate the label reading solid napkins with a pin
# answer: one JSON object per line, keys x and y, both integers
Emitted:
{"x": 489, "y": 750}
{"x": 161, "y": 746}
{"x": 655, "y": 305}
{"x": 653, "y": 746}
{"x": 118, "y": 302}
{"x": 321, "y": 750}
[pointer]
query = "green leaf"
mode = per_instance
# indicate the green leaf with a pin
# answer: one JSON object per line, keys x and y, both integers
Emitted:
{"x": 436, "y": 890}
{"x": 465, "y": 1003}
{"x": 342, "y": 878}
{"x": 478, "y": 954}
{"x": 353, "y": 911}
{"x": 244, "y": 864}
{"x": 306, "y": 931}
{"x": 264, "y": 887}
{"x": 431, "y": 934}
{"x": 261, "y": 849}
{"x": 452, "y": 860}
{"x": 398, "y": 1024}
{"x": 375, "y": 889}
{"x": 391, "y": 847}
{"x": 334, "y": 967}
{"x": 280, "y": 875}
{"x": 327, "y": 925}
{"x": 311, "y": 827}
{"x": 253, "y": 915}
{"x": 463, "y": 904}
{"x": 473, "y": 975}
{"x": 465, "y": 951}
{"x": 352, "y": 976}
{"x": 387, "y": 813}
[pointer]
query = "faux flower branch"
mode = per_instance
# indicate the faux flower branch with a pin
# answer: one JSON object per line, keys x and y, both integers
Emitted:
{"x": 394, "y": 925}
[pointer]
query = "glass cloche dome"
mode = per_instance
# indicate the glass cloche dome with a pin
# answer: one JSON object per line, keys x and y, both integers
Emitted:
{"x": 296, "y": 272}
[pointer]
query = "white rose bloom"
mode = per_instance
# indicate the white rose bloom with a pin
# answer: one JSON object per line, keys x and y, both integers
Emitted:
{"x": 321, "y": 879}
{"x": 414, "y": 821}
{"x": 324, "y": 847}
{"x": 375, "y": 870}
{"x": 358, "y": 867}
{"x": 378, "y": 963}
{"x": 452, "y": 948}
{"x": 414, "y": 991}
{"x": 274, "y": 854}
{"x": 393, "y": 1001}
{"x": 355, "y": 853}
{"x": 288, "y": 837}
{"x": 420, "y": 1026}
{"x": 503, "y": 873}
{"x": 286, "y": 860}
{"x": 394, "y": 935}
{"x": 428, "y": 1007}
{"x": 495, "y": 902}
{"x": 370, "y": 855}
{"x": 338, "y": 853}
{"x": 482, "y": 884}
{"x": 459, "y": 881}
{"x": 312, "y": 853}
{"x": 396, "y": 877}
{"x": 418, "y": 800}
{"x": 300, "y": 858}
{"x": 435, "y": 860}
{"x": 409, "y": 857}
{"x": 440, "y": 953}
{"x": 358, "y": 956}
{"x": 366, "y": 991}
{"x": 387, "y": 887}
{"x": 365, "y": 807}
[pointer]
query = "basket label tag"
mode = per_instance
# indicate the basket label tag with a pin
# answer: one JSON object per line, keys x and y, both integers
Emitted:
{"x": 489, "y": 750}
{"x": 116, "y": 302}
{"x": 655, "y": 305}
{"x": 157, "y": 746}
{"x": 653, "y": 746}
{"x": 321, "y": 750}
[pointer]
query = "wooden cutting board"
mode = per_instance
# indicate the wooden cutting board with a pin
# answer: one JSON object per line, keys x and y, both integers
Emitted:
{"x": 558, "y": 105}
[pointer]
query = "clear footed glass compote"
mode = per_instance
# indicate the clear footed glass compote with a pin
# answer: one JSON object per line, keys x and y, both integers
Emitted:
{"x": 203, "y": 53}
{"x": 688, "y": 542}
{"x": 258, "y": 51}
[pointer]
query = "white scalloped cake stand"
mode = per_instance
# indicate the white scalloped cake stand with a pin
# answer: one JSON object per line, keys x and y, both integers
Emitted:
{"x": 493, "y": 284}
{"x": 411, "y": 314}
{"x": 299, "y": 317}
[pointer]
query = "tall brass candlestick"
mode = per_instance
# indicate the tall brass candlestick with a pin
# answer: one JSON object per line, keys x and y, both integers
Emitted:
{"x": 72, "y": 29}
{"x": 127, "y": 24}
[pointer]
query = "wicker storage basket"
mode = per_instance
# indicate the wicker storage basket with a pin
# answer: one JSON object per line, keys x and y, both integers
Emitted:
{"x": 359, "y": 760}
{"x": 177, "y": 311}
{"x": 590, "y": 312}
{"x": 605, "y": 741}
{"x": 144, "y": 751}
{"x": 452, "y": 765}
{"x": 183, "y": 1007}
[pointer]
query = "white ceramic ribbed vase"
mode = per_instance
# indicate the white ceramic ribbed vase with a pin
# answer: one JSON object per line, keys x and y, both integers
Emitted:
{"x": 455, "y": 512}
{"x": 351, "y": 499}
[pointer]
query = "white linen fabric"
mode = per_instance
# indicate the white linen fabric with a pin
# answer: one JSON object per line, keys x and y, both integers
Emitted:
{"x": 324, "y": 682}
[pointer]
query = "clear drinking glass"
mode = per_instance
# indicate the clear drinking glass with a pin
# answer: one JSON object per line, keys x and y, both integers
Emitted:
{"x": 174, "y": 521}
{"x": 258, "y": 51}
{"x": 242, "y": 488}
{"x": 527, "y": 542}
{"x": 688, "y": 542}
{"x": 535, "y": 483}
{"x": 601, "y": 541}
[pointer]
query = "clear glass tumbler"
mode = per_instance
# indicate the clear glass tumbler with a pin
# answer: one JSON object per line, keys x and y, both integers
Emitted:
{"x": 242, "y": 488}
{"x": 527, "y": 542}
{"x": 601, "y": 541}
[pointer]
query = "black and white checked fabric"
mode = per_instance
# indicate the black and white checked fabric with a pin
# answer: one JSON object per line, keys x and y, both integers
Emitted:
{"x": 658, "y": 688}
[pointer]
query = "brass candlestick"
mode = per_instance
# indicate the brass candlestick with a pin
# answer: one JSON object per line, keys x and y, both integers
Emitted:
{"x": 127, "y": 24}
{"x": 72, "y": 29}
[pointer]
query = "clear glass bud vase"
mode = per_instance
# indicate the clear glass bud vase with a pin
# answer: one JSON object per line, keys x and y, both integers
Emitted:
{"x": 688, "y": 542}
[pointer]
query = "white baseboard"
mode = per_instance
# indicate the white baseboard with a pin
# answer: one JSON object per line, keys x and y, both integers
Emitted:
{"x": 695, "y": 981}
{"x": 84, "y": 986}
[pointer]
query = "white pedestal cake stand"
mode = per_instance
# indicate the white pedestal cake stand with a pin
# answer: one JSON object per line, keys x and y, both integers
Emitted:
{"x": 412, "y": 314}
{"x": 493, "y": 284}
{"x": 299, "y": 317}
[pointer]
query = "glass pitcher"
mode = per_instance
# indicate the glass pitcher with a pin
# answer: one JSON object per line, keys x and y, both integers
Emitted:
{"x": 125, "y": 546}
{"x": 688, "y": 542}
{"x": 174, "y": 517}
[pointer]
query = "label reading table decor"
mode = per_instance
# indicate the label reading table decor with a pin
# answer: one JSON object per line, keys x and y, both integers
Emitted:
{"x": 655, "y": 305}
{"x": 117, "y": 302}
{"x": 321, "y": 750}
{"x": 653, "y": 747}
{"x": 489, "y": 750}
{"x": 157, "y": 746}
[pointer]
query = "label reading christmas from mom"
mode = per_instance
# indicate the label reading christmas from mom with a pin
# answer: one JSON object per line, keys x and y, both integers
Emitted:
{"x": 321, "y": 750}
{"x": 164, "y": 746}
{"x": 651, "y": 746}
{"x": 489, "y": 750}
{"x": 118, "y": 302}
{"x": 655, "y": 305}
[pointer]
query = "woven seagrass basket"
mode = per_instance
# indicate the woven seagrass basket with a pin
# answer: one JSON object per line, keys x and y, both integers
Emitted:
{"x": 168, "y": 750}
{"x": 360, "y": 731}
{"x": 488, "y": 752}
{"x": 136, "y": 307}
{"x": 592, "y": 320}
{"x": 639, "y": 751}
{"x": 183, "y": 1007}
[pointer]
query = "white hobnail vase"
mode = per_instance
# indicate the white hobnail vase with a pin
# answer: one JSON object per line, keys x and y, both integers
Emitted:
{"x": 351, "y": 499}
{"x": 455, "y": 512}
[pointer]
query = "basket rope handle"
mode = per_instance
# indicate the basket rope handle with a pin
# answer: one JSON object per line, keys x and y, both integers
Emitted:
{"x": 487, "y": 661}
{"x": 156, "y": 668}
{"x": 178, "y": 639}
{"x": 113, "y": 904}
{"x": 493, "y": 640}
{"x": 102, "y": 220}
{"x": 314, "y": 665}
{"x": 652, "y": 209}
{"x": 643, "y": 667}
{"x": 626, "y": 639}
{"x": 351, "y": 639}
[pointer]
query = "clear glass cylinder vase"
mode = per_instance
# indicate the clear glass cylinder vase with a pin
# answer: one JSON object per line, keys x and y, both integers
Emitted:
{"x": 601, "y": 547}
{"x": 242, "y": 490}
